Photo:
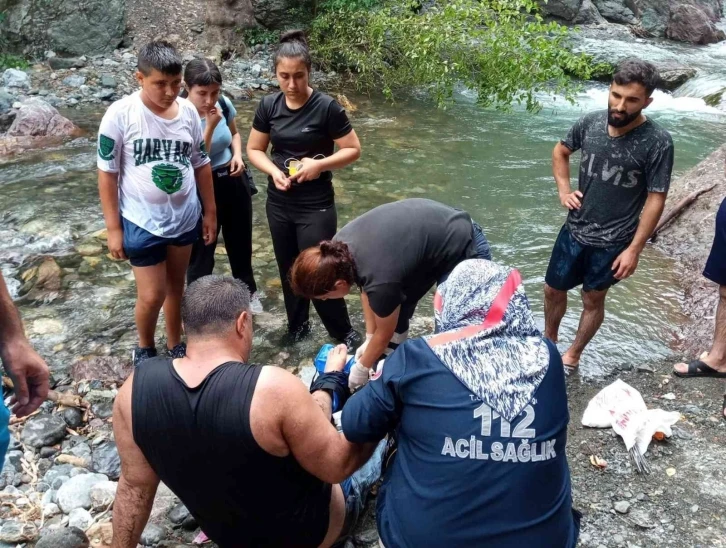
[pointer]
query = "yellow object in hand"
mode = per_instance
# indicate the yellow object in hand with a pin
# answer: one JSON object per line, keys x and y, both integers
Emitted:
{"x": 294, "y": 166}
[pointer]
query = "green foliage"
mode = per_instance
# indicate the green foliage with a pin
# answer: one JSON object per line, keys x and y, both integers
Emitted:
{"x": 502, "y": 49}
{"x": 255, "y": 36}
{"x": 8, "y": 60}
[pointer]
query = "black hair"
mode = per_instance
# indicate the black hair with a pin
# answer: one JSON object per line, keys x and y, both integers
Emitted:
{"x": 212, "y": 304}
{"x": 201, "y": 72}
{"x": 634, "y": 70}
{"x": 161, "y": 56}
{"x": 293, "y": 44}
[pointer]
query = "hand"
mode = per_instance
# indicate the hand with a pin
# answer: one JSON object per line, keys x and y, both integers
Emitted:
{"x": 337, "y": 358}
{"x": 359, "y": 376}
{"x": 309, "y": 171}
{"x": 236, "y": 166}
{"x": 362, "y": 348}
{"x": 572, "y": 200}
{"x": 626, "y": 263}
{"x": 281, "y": 182}
{"x": 115, "y": 243}
{"x": 29, "y": 374}
{"x": 209, "y": 229}
{"x": 213, "y": 117}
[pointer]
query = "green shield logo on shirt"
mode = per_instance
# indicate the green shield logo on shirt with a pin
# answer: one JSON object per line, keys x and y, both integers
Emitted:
{"x": 203, "y": 149}
{"x": 167, "y": 177}
{"x": 105, "y": 147}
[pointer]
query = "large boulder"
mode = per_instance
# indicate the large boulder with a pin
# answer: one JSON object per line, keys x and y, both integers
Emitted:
{"x": 588, "y": 14}
{"x": 616, "y": 11}
{"x": 693, "y": 24}
{"x": 223, "y": 20}
{"x": 64, "y": 26}
{"x": 14, "y": 78}
{"x": 36, "y": 118}
{"x": 278, "y": 14}
{"x": 673, "y": 75}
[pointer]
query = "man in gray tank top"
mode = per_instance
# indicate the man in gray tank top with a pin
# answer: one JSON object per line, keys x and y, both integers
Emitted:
{"x": 246, "y": 448}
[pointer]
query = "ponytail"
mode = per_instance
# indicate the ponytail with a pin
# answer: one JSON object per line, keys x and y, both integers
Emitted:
{"x": 317, "y": 269}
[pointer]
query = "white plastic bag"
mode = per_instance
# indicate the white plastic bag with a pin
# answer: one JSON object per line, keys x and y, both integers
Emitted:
{"x": 621, "y": 406}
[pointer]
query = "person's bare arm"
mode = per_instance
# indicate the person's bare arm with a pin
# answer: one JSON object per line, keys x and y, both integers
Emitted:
{"x": 368, "y": 314}
{"x": 108, "y": 192}
{"x": 304, "y": 423}
{"x": 385, "y": 329}
{"x": 627, "y": 261}
{"x": 561, "y": 171}
{"x": 26, "y": 368}
{"x": 257, "y": 144}
{"x": 348, "y": 152}
{"x": 205, "y": 186}
{"x": 237, "y": 164}
{"x": 138, "y": 482}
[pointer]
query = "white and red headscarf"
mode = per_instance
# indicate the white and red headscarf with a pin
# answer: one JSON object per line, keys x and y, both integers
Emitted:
{"x": 486, "y": 336}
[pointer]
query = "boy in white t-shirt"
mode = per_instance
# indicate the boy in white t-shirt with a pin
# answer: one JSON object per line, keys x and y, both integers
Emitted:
{"x": 150, "y": 153}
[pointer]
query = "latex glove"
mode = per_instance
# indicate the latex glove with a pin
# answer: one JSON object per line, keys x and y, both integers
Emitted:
{"x": 362, "y": 348}
{"x": 358, "y": 377}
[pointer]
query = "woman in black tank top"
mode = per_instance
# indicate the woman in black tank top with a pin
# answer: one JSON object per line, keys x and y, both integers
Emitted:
{"x": 303, "y": 126}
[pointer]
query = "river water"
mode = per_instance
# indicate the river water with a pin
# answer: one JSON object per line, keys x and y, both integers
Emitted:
{"x": 495, "y": 165}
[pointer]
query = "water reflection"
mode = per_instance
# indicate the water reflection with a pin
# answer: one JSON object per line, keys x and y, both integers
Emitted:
{"x": 494, "y": 165}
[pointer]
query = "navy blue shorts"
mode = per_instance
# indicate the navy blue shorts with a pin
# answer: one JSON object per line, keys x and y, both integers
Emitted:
{"x": 146, "y": 249}
{"x": 572, "y": 264}
{"x": 716, "y": 265}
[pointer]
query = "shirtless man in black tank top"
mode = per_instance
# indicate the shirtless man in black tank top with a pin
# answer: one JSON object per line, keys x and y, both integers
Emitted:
{"x": 246, "y": 448}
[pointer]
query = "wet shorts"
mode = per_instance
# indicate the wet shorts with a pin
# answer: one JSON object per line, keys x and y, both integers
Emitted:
{"x": 572, "y": 264}
{"x": 716, "y": 265}
{"x": 146, "y": 249}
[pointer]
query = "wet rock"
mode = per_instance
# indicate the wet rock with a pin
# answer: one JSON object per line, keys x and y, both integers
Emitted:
{"x": 153, "y": 534}
{"x": 15, "y": 531}
{"x": 588, "y": 14}
{"x": 108, "y": 81}
{"x": 76, "y": 492}
{"x": 72, "y": 537}
{"x": 58, "y": 482}
{"x": 103, "y": 494}
{"x": 80, "y": 518}
{"x": 50, "y": 510}
{"x": 48, "y": 452}
{"x": 103, "y": 368}
{"x": 178, "y": 514}
{"x": 14, "y": 78}
{"x": 65, "y": 63}
{"x": 673, "y": 76}
{"x": 36, "y": 118}
{"x": 57, "y": 471}
{"x": 616, "y": 11}
{"x": 74, "y": 80}
{"x": 73, "y": 417}
{"x": 101, "y": 402}
{"x": 622, "y": 507}
{"x": 692, "y": 24}
{"x": 564, "y": 9}
{"x": 106, "y": 460}
{"x": 42, "y": 430}
{"x": 189, "y": 523}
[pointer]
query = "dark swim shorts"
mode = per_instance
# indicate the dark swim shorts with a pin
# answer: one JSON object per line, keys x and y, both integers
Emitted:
{"x": 146, "y": 249}
{"x": 716, "y": 265}
{"x": 572, "y": 264}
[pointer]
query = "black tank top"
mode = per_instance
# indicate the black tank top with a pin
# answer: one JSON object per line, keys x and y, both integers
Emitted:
{"x": 199, "y": 442}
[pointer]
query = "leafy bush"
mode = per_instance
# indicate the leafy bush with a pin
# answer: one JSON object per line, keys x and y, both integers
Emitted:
{"x": 8, "y": 60}
{"x": 502, "y": 49}
{"x": 255, "y": 36}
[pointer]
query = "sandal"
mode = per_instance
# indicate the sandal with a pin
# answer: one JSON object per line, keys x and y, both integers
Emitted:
{"x": 698, "y": 368}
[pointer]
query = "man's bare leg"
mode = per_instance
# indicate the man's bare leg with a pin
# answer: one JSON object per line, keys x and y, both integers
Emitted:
{"x": 716, "y": 357}
{"x": 555, "y": 306}
{"x": 150, "y": 295}
{"x": 177, "y": 261}
{"x": 593, "y": 314}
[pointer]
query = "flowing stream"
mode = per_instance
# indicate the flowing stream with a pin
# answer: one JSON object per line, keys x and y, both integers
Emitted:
{"x": 495, "y": 165}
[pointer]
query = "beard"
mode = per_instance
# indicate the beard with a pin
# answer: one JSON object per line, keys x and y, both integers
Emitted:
{"x": 621, "y": 121}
